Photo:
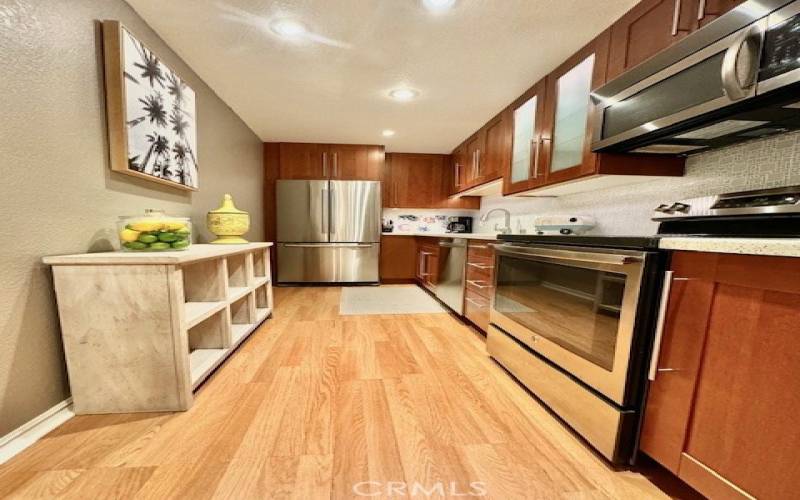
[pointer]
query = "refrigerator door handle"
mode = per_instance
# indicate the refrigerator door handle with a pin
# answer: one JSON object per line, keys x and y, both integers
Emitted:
{"x": 324, "y": 213}
{"x": 332, "y": 195}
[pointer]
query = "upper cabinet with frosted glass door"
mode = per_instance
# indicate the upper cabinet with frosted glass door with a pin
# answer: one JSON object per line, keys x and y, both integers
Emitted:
{"x": 526, "y": 165}
{"x": 569, "y": 110}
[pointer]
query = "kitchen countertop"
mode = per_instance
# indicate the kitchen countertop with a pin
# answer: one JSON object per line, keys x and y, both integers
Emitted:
{"x": 469, "y": 236}
{"x": 784, "y": 247}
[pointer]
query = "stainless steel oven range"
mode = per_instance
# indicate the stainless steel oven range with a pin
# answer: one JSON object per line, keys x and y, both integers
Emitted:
{"x": 572, "y": 319}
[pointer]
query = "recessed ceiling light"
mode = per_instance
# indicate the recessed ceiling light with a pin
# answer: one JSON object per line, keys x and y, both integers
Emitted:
{"x": 388, "y": 133}
{"x": 403, "y": 94}
{"x": 438, "y": 5}
{"x": 288, "y": 28}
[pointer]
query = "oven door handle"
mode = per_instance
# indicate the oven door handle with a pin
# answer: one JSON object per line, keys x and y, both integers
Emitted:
{"x": 566, "y": 255}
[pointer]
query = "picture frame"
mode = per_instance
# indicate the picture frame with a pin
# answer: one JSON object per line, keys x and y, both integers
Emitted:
{"x": 151, "y": 113}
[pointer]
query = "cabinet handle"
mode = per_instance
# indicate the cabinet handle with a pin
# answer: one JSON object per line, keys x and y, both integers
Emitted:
{"x": 536, "y": 160}
{"x": 676, "y": 17}
{"x": 478, "y": 161}
{"x": 701, "y": 10}
{"x": 325, "y": 165}
{"x": 458, "y": 175}
{"x": 476, "y": 284}
{"x": 394, "y": 194}
{"x": 475, "y": 302}
{"x": 479, "y": 266}
{"x": 335, "y": 165}
{"x": 482, "y": 247}
{"x": 662, "y": 316}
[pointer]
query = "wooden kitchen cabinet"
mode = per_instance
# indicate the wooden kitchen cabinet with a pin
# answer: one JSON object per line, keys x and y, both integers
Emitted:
{"x": 566, "y": 137}
{"x": 421, "y": 181}
{"x": 496, "y": 148}
{"x": 474, "y": 149}
{"x": 708, "y": 10}
{"x": 356, "y": 163}
{"x": 479, "y": 282}
{"x": 427, "y": 262}
{"x": 398, "y": 262}
{"x": 722, "y": 410}
{"x": 458, "y": 169}
{"x": 654, "y": 25}
{"x": 331, "y": 161}
{"x": 526, "y": 117}
{"x": 648, "y": 28}
{"x": 303, "y": 161}
{"x": 483, "y": 157}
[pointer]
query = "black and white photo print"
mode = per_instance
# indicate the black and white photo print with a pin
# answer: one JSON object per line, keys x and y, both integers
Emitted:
{"x": 151, "y": 113}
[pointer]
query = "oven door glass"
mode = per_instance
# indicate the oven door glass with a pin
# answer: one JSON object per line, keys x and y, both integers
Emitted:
{"x": 575, "y": 306}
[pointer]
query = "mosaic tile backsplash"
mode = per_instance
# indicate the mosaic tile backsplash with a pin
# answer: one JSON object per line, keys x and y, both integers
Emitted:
{"x": 626, "y": 210}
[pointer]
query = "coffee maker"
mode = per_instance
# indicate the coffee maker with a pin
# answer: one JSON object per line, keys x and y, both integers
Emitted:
{"x": 459, "y": 224}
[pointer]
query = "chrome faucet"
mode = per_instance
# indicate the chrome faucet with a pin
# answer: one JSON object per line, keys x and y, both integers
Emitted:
{"x": 506, "y": 229}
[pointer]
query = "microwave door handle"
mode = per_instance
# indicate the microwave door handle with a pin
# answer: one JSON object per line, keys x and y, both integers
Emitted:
{"x": 750, "y": 39}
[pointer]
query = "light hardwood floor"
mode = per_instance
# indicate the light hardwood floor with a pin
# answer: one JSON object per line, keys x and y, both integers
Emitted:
{"x": 316, "y": 403}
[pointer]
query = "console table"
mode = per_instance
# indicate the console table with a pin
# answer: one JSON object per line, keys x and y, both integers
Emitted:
{"x": 142, "y": 330}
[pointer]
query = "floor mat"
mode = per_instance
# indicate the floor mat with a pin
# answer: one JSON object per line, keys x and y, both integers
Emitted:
{"x": 391, "y": 299}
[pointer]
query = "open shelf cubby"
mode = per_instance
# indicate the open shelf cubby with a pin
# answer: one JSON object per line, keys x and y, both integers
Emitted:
{"x": 203, "y": 290}
{"x": 263, "y": 300}
{"x": 261, "y": 264}
{"x": 158, "y": 324}
{"x": 207, "y": 346}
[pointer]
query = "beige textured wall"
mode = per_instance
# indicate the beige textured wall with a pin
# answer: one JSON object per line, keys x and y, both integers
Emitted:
{"x": 57, "y": 194}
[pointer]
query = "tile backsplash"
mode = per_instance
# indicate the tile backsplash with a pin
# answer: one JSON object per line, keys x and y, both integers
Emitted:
{"x": 627, "y": 210}
{"x": 414, "y": 220}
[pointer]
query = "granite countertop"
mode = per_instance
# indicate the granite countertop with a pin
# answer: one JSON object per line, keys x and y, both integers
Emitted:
{"x": 470, "y": 236}
{"x": 784, "y": 247}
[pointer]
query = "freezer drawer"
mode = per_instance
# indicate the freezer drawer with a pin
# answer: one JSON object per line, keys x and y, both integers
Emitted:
{"x": 328, "y": 262}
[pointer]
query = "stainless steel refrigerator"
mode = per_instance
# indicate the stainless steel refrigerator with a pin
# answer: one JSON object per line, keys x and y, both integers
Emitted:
{"x": 328, "y": 231}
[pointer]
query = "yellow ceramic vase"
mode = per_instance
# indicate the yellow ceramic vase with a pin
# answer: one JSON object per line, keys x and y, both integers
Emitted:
{"x": 228, "y": 223}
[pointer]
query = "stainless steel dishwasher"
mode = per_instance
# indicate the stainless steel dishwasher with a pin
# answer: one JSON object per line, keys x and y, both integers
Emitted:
{"x": 452, "y": 262}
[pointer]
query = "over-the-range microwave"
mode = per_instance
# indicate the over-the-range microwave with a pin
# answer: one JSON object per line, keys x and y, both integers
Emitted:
{"x": 736, "y": 79}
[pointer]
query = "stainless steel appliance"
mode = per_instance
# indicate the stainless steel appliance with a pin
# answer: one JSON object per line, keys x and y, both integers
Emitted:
{"x": 452, "y": 269}
{"x": 328, "y": 231}
{"x": 459, "y": 224}
{"x": 733, "y": 80}
{"x": 572, "y": 318}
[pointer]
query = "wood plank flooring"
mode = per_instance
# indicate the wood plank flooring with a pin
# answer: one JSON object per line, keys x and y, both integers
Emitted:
{"x": 316, "y": 405}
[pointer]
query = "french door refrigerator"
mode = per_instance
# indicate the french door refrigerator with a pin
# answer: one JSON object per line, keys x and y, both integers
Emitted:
{"x": 328, "y": 231}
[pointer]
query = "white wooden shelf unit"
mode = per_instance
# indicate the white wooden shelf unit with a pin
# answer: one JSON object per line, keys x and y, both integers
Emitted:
{"x": 142, "y": 330}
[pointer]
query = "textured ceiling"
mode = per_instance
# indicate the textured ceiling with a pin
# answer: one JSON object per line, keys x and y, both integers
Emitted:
{"x": 467, "y": 63}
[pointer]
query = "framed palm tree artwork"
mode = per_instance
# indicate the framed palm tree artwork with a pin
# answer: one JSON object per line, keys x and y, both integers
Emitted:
{"x": 152, "y": 125}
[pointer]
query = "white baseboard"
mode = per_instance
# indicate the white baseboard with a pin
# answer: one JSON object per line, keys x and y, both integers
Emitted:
{"x": 33, "y": 430}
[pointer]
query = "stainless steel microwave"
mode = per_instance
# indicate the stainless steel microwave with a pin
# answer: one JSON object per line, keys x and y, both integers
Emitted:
{"x": 736, "y": 79}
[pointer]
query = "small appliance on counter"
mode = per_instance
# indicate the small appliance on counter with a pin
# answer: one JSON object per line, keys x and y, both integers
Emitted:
{"x": 459, "y": 224}
{"x": 387, "y": 226}
{"x": 562, "y": 225}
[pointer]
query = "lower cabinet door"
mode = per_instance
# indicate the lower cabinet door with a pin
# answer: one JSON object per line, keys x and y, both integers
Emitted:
{"x": 669, "y": 401}
{"x": 328, "y": 262}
